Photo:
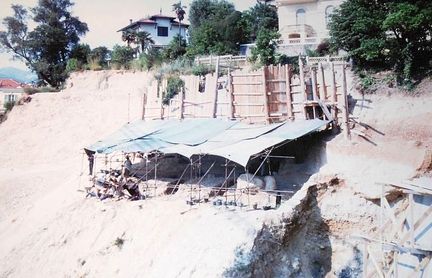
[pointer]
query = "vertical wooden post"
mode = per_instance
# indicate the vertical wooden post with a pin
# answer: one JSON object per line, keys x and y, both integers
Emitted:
{"x": 264, "y": 88}
{"x": 230, "y": 95}
{"x": 314, "y": 84}
{"x": 302, "y": 86}
{"x": 288, "y": 92}
{"x": 323, "y": 88}
{"x": 334, "y": 93}
{"x": 161, "y": 108}
{"x": 215, "y": 98}
{"x": 144, "y": 103}
{"x": 411, "y": 219}
{"x": 181, "y": 104}
{"x": 345, "y": 114}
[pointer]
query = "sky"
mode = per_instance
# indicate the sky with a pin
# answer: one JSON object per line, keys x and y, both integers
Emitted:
{"x": 104, "y": 18}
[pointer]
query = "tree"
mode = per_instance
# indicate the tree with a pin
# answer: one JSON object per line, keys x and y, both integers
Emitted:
{"x": 144, "y": 40}
{"x": 385, "y": 34}
{"x": 265, "y": 50}
{"x": 99, "y": 55}
{"x": 80, "y": 52}
{"x": 122, "y": 56}
{"x": 175, "y": 49}
{"x": 180, "y": 12}
{"x": 129, "y": 36}
{"x": 47, "y": 48}
{"x": 260, "y": 16}
{"x": 216, "y": 28}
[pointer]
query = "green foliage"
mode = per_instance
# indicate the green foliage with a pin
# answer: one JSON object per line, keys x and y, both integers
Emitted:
{"x": 48, "y": 46}
{"x": 202, "y": 70}
{"x": 98, "y": 57}
{"x": 367, "y": 82}
{"x": 32, "y": 90}
{"x": 175, "y": 49}
{"x": 386, "y": 35}
{"x": 174, "y": 85}
{"x": 149, "y": 60}
{"x": 9, "y": 105}
{"x": 73, "y": 65}
{"x": 264, "y": 53}
{"x": 122, "y": 56}
{"x": 140, "y": 38}
{"x": 216, "y": 28}
{"x": 80, "y": 53}
{"x": 260, "y": 16}
{"x": 179, "y": 10}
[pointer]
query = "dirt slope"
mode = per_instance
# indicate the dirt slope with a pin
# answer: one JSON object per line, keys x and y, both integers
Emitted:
{"x": 48, "y": 229}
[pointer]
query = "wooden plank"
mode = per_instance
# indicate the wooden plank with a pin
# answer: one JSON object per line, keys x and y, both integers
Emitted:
{"x": 314, "y": 84}
{"x": 230, "y": 95}
{"x": 333, "y": 91}
{"x": 417, "y": 224}
{"x": 144, "y": 103}
{"x": 181, "y": 105}
{"x": 246, "y": 75}
{"x": 344, "y": 104}
{"x": 302, "y": 85}
{"x": 288, "y": 91}
{"x": 247, "y": 84}
{"x": 248, "y": 104}
{"x": 420, "y": 266}
{"x": 215, "y": 96}
{"x": 264, "y": 90}
{"x": 375, "y": 263}
{"x": 322, "y": 88}
{"x": 247, "y": 94}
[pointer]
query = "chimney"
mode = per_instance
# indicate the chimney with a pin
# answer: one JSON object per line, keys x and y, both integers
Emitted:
{"x": 130, "y": 21}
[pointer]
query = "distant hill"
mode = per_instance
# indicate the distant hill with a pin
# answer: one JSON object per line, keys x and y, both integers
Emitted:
{"x": 17, "y": 74}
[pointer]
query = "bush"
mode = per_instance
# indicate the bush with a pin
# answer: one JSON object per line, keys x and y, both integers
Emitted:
{"x": 174, "y": 85}
{"x": 122, "y": 57}
{"x": 9, "y": 105}
{"x": 32, "y": 90}
{"x": 202, "y": 70}
{"x": 146, "y": 61}
{"x": 73, "y": 65}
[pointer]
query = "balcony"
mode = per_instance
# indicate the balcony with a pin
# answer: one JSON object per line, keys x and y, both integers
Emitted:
{"x": 297, "y": 32}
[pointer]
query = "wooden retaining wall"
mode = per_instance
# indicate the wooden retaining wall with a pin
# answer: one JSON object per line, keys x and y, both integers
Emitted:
{"x": 270, "y": 94}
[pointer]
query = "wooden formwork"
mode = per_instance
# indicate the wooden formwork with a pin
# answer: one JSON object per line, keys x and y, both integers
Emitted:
{"x": 270, "y": 94}
{"x": 404, "y": 246}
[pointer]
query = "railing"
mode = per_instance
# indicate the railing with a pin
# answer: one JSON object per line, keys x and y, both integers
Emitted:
{"x": 317, "y": 60}
{"x": 226, "y": 59}
{"x": 300, "y": 41}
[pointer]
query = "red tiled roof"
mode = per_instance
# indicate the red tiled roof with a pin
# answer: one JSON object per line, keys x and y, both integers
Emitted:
{"x": 161, "y": 16}
{"x": 10, "y": 84}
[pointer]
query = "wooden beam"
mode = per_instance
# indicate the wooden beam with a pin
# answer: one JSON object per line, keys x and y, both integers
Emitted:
{"x": 264, "y": 94}
{"x": 322, "y": 88}
{"x": 334, "y": 93}
{"x": 181, "y": 104}
{"x": 215, "y": 96}
{"x": 344, "y": 104}
{"x": 288, "y": 92}
{"x": 230, "y": 95}
{"x": 144, "y": 103}
{"x": 302, "y": 86}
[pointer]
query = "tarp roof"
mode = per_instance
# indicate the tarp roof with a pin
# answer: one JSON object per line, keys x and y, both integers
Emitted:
{"x": 233, "y": 140}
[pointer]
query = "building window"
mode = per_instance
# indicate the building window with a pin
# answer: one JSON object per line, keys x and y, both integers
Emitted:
{"x": 328, "y": 12}
{"x": 162, "y": 31}
{"x": 10, "y": 98}
{"x": 300, "y": 16}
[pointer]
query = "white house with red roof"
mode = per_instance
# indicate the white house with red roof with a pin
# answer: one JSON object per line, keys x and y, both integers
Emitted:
{"x": 162, "y": 28}
{"x": 10, "y": 91}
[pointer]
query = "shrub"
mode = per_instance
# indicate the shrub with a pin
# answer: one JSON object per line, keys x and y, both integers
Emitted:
{"x": 73, "y": 65}
{"x": 174, "y": 85}
{"x": 202, "y": 70}
{"x": 32, "y": 90}
{"x": 146, "y": 61}
{"x": 122, "y": 56}
{"x": 9, "y": 105}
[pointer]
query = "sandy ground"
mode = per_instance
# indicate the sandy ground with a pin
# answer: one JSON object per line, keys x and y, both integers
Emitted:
{"x": 48, "y": 228}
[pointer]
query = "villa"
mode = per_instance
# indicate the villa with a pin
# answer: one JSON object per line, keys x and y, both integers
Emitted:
{"x": 162, "y": 28}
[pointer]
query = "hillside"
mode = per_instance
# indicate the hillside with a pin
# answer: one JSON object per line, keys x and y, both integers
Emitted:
{"x": 48, "y": 227}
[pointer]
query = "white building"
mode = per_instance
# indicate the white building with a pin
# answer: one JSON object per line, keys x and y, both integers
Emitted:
{"x": 161, "y": 28}
{"x": 304, "y": 23}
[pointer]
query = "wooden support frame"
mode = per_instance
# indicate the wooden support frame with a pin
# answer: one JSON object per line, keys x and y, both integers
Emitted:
{"x": 265, "y": 97}
{"x": 288, "y": 92}
{"x": 216, "y": 90}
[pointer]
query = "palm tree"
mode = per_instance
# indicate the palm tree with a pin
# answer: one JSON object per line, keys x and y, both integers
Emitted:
{"x": 129, "y": 36}
{"x": 180, "y": 12}
{"x": 143, "y": 39}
